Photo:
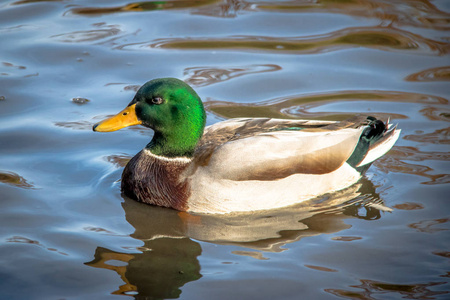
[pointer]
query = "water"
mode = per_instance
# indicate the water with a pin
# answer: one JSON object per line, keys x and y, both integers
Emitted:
{"x": 66, "y": 231}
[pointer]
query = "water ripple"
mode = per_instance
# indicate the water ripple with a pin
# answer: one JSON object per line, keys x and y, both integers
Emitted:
{"x": 406, "y": 13}
{"x": 76, "y": 125}
{"x": 299, "y": 106}
{"x": 433, "y": 74}
{"x": 414, "y": 154}
{"x": 28, "y": 241}
{"x": 142, "y": 6}
{"x": 371, "y": 289}
{"x": 410, "y": 13}
{"x": 87, "y": 35}
{"x": 119, "y": 161}
{"x": 430, "y": 226}
{"x": 391, "y": 163}
{"x": 203, "y": 76}
{"x": 439, "y": 136}
{"x": 381, "y": 38}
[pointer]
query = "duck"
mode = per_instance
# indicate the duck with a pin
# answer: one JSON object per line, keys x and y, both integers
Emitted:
{"x": 240, "y": 164}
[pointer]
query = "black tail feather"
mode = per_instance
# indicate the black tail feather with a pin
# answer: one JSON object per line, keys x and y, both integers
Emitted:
{"x": 375, "y": 129}
{"x": 371, "y": 134}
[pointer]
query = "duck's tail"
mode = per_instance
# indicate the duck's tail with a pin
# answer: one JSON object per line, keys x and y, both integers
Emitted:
{"x": 375, "y": 141}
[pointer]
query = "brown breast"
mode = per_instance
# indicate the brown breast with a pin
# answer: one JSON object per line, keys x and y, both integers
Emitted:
{"x": 156, "y": 181}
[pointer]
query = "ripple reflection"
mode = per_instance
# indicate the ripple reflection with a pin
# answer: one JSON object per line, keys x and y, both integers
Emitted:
{"x": 433, "y": 74}
{"x": 28, "y": 241}
{"x": 381, "y": 38}
{"x": 15, "y": 179}
{"x": 299, "y": 106}
{"x": 203, "y": 76}
{"x": 88, "y": 35}
{"x": 372, "y": 289}
{"x": 410, "y": 13}
{"x": 439, "y": 136}
{"x": 142, "y": 6}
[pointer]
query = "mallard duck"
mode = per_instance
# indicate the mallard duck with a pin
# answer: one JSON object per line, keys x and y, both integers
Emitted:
{"x": 243, "y": 164}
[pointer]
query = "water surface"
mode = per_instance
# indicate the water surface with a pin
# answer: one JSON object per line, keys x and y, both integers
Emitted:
{"x": 68, "y": 233}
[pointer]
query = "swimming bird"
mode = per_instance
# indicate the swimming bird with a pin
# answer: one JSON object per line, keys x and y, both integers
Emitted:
{"x": 241, "y": 164}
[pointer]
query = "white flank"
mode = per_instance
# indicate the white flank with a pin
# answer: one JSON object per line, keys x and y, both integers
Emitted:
{"x": 219, "y": 188}
{"x": 244, "y": 155}
{"x": 381, "y": 149}
{"x": 220, "y": 196}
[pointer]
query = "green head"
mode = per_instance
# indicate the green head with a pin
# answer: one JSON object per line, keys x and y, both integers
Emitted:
{"x": 172, "y": 109}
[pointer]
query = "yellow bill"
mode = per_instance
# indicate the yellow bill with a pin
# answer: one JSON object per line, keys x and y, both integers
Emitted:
{"x": 125, "y": 118}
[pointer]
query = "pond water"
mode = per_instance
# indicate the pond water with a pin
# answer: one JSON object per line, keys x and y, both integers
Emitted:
{"x": 67, "y": 233}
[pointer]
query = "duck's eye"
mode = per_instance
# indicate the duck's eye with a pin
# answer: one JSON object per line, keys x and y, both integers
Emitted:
{"x": 157, "y": 100}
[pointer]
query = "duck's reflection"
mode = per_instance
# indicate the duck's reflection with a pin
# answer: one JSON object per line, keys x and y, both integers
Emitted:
{"x": 169, "y": 257}
{"x": 165, "y": 262}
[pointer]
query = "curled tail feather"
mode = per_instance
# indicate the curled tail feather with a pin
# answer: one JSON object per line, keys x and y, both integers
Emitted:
{"x": 375, "y": 141}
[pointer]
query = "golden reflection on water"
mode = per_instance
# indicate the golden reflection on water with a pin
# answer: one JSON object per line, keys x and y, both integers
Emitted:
{"x": 14, "y": 179}
{"x": 415, "y": 13}
{"x": 299, "y": 106}
{"x": 381, "y": 38}
{"x": 143, "y": 6}
{"x": 433, "y": 74}
{"x": 420, "y": 13}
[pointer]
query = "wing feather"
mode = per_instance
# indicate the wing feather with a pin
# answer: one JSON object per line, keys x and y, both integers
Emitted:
{"x": 234, "y": 129}
{"x": 278, "y": 154}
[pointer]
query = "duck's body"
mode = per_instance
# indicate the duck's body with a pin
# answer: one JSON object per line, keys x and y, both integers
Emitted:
{"x": 243, "y": 164}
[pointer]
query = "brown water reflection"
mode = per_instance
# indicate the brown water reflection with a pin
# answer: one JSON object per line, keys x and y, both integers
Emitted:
{"x": 381, "y": 38}
{"x": 300, "y": 106}
{"x": 429, "y": 226}
{"x": 408, "y": 206}
{"x": 420, "y": 13}
{"x": 410, "y": 13}
{"x": 436, "y": 114}
{"x": 433, "y": 74}
{"x": 374, "y": 289}
{"x": 15, "y": 180}
{"x": 439, "y": 136}
{"x": 445, "y": 254}
{"x": 142, "y": 6}
{"x": 28, "y": 241}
